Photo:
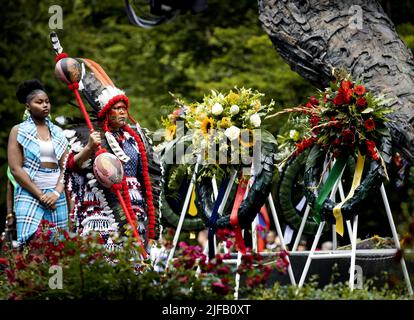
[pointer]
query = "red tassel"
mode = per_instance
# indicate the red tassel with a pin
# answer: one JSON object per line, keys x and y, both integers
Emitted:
{"x": 100, "y": 151}
{"x": 73, "y": 86}
{"x": 61, "y": 56}
{"x": 116, "y": 186}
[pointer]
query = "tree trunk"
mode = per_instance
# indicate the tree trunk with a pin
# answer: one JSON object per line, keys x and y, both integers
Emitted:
{"x": 314, "y": 36}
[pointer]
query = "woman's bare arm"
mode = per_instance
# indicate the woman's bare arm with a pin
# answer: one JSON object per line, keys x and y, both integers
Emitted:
{"x": 60, "y": 187}
{"x": 15, "y": 159}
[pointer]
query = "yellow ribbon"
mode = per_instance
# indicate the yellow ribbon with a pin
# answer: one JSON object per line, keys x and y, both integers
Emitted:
{"x": 192, "y": 211}
{"x": 339, "y": 222}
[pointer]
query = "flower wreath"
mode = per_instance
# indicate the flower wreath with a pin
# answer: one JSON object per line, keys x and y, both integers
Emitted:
{"x": 345, "y": 122}
{"x": 221, "y": 117}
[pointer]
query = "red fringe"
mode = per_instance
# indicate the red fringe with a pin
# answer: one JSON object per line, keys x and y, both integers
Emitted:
{"x": 147, "y": 182}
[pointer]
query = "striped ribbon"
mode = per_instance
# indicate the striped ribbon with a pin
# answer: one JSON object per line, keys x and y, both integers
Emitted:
{"x": 327, "y": 187}
{"x": 234, "y": 218}
{"x": 359, "y": 168}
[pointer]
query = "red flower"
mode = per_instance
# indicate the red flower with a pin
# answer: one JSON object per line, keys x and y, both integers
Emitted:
{"x": 20, "y": 264}
{"x": 369, "y": 124}
{"x": 359, "y": 90}
{"x": 347, "y": 85}
{"x": 361, "y": 103}
{"x": 313, "y": 101}
{"x": 223, "y": 270}
{"x": 370, "y": 145}
{"x": 220, "y": 288}
{"x": 339, "y": 100}
{"x": 314, "y": 121}
{"x": 336, "y": 142}
{"x": 371, "y": 149}
{"x": 348, "y": 136}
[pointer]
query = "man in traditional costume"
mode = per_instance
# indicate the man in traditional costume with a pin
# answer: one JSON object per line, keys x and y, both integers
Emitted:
{"x": 96, "y": 208}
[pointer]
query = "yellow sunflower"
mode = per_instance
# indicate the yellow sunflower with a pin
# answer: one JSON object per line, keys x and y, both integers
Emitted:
{"x": 207, "y": 125}
{"x": 170, "y": 132}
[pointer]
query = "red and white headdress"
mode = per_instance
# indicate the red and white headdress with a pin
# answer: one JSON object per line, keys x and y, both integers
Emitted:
{"x": 108, "y": 97}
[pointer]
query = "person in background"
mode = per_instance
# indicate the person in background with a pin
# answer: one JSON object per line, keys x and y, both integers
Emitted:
{"x": 302, "y": 245}
{"x": 202, "y": 238}
{"x": 272, "y": 241}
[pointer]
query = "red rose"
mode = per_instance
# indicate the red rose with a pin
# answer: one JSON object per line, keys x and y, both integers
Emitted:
{"x": 339, "y": 100}
{"x": 371, "y": 149}
{"x": 361, "y": 103}
{"x": 348, "y": 136}
{"x": 346, "y": 93}
{"x": 347, "y": 85}
{"x": 314, "y": 121}
{"x": 309, "y": 105}
{"x": 369, "y": 124}
{"x": 336, "y": 142}
{"x": 220, "y": 288}
{"x": 360, "y": 90}
{"x": 313, "y": 101}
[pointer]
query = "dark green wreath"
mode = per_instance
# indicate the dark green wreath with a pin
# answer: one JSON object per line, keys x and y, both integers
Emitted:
{"x": 169, "y": 215}
{"x": 255, "y": 199}
{"x": 372, "y": 181}
{"x": 291, "y": 187}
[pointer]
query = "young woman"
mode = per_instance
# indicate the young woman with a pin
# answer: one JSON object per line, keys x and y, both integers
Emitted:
{"x": 37, "y": 150}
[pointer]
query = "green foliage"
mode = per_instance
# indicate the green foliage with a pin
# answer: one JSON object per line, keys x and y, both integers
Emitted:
{"x": 332, "y": 291}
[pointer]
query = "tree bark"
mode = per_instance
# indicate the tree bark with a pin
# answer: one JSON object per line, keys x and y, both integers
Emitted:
{"x": 314, "y": 36}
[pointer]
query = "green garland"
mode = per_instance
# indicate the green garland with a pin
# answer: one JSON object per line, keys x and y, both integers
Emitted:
{"x": 255, "y": 199}
{"x": 290, "y": 175}
{"x": 371, "y": 182}
{"x": 169, "y": 216}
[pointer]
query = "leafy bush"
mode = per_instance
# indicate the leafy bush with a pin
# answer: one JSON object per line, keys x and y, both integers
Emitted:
{"x": 89, "y": 271}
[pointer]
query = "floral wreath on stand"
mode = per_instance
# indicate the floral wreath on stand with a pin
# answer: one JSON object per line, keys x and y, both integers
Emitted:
{"x": 344, "y": 122}
{"x": 226, "y": 139}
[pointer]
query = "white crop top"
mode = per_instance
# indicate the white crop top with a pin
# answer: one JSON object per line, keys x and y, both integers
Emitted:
{"x": 47, "y": 153}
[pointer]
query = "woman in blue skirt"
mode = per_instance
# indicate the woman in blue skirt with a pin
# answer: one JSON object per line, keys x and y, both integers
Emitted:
{"x": 37, "y": 150}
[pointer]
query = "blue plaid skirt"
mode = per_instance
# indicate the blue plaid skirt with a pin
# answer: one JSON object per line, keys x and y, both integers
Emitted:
{"x": 29, "y": 212}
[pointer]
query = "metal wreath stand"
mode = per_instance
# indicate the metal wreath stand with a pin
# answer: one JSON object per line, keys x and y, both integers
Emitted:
{"x": 352, "y": 233}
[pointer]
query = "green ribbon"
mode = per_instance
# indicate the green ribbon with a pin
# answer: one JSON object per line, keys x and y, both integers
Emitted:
{"x": 327, "y": 187}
